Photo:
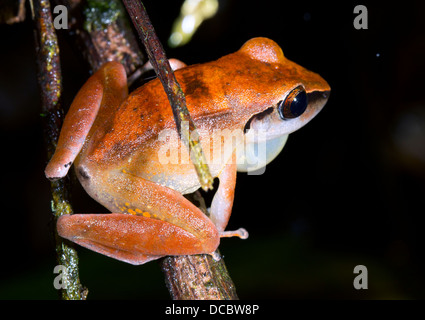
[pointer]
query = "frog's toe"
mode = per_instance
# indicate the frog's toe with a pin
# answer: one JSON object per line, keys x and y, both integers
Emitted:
{"x": 241, "y": 233}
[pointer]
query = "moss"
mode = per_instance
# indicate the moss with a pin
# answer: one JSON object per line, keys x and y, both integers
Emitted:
{"x": 99, "y": 14}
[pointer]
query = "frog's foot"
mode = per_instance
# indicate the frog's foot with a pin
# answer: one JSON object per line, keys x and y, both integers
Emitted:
{"x": 215, "y": 255}
{"x": 241, "y": 233}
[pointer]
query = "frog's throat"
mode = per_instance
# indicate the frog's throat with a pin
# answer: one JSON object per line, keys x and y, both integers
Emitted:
{"x": 256, "y": 154}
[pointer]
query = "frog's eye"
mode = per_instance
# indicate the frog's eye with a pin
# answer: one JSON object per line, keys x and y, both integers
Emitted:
{"x": 294, "y": 104}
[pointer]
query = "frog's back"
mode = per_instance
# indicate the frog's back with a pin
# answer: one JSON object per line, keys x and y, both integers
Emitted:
{"x": 146, "y": 112}
{"x": 218, "y": 95}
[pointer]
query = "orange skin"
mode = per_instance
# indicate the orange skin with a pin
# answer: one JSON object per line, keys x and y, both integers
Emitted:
{"x": 113, "y": 140}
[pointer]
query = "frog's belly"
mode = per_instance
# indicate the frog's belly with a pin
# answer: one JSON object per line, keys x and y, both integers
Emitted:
{"x": 182, "y": 178}
{"x": 169, "y": 164}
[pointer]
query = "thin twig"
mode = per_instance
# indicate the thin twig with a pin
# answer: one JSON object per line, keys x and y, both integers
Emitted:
{"x": 50, "y": 83}
{"x": 174, "y": 92}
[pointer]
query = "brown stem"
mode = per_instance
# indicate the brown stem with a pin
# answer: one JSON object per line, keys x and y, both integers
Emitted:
{"x": 198, "y": 277}
{"x": 102, "y": 33}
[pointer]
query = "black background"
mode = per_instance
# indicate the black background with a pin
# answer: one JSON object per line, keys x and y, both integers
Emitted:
{"x": 347, "y": 190}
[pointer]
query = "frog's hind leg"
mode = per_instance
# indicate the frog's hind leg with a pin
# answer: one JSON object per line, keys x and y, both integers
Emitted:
{"x": 70, "y": 227}
{"x": 132, "y": 239}
{"x": 107, "y": 88}
{"x": 159, "y": 221}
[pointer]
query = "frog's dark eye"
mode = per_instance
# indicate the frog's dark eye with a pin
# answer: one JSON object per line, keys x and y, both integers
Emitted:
{"x": 294, "y": 104}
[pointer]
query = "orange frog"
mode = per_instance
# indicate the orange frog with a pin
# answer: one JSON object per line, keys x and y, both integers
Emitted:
{"x": 116, "y": 144}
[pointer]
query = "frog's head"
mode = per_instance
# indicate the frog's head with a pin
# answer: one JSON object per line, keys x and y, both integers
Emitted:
{"x": 297, "y": 96}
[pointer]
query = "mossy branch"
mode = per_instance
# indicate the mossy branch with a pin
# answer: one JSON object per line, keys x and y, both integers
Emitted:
{"x": 50, "y": 83}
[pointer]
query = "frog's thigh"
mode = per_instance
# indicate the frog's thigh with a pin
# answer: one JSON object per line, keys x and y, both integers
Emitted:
{"x": 222, "y": 203}
{"x": 167, "y": 223}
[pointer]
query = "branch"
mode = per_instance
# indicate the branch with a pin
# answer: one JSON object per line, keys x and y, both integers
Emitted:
{"x": 12, "y": 11}
{"x": 50, "y": 83}
{"x": 102, "y": 33}
{"x": 198, "y": 277}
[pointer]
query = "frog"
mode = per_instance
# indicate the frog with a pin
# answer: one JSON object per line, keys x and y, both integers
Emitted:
{"x": 115, "y": 142}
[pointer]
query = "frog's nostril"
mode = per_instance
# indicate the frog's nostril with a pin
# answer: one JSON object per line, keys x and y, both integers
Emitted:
{"x": 318, "y": 98}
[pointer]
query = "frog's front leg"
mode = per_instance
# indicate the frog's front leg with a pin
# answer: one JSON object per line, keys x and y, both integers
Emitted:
{"x": 161, "y": 221}
{"x": 222, "y": 203}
